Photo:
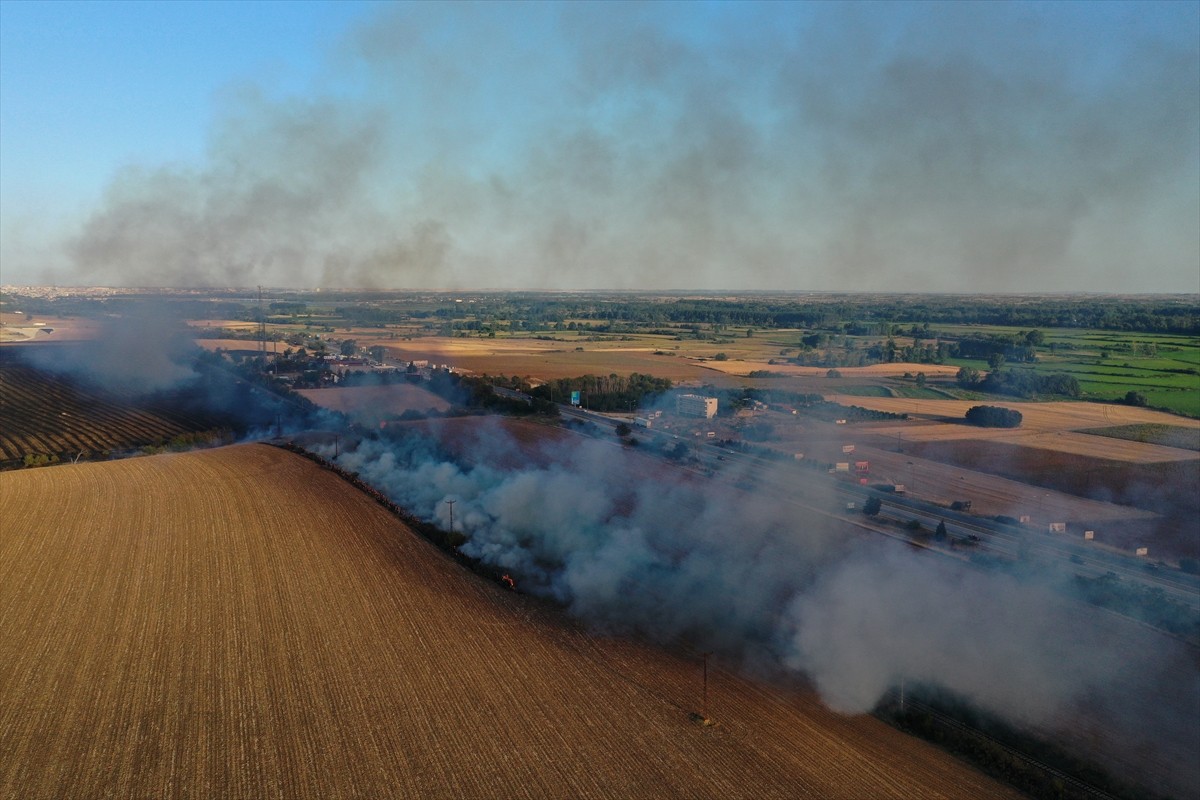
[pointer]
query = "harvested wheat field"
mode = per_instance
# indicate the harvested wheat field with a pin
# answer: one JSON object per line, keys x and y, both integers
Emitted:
{"x": 241, "y": 623}
{"x": 1049, "y": 416}
{"x": 545, "y": 360}
{"x": 18, "y": 331}
{"x": 893, "y": 370}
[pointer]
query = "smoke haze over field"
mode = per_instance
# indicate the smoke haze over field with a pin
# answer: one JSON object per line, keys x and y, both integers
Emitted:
{"x": 143, "y": 350}
{"x": 951, "y": 147}
{"x": 770, "y": 585}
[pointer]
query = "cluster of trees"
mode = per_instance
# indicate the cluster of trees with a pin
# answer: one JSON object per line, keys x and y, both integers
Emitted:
{"x": 851, "y": 355}
{"x": 189, "y": 441}
{"x": 1018, "y": 347}
{"x": 1137, "y": 399}
{"x": 993, "y": 417}
{"x": 1019, "y": 382}
{"x": 817, "y": 349}
{"x": 476, "y": 392}
{"x": 874, "y": 315}
{"x": 877, "y": 315}
{"x": 605, "y": 392}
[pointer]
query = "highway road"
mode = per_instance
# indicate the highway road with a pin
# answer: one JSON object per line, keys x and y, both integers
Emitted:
{"x": 1009, "y": 542}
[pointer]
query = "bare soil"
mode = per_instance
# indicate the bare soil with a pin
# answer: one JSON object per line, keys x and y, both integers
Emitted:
{"x": 241, "y": 623}
{"x": 16, "y": 331}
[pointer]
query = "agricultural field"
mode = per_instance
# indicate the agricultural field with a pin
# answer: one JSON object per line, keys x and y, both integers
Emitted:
{"x": 1127, "y": 469}
{"x": 1164, "y": 492}
{"x": 228, "y": 655}
{"x": 16, "y": 327}
{"x": 239, "y": 622}
{"x": 1164, "y": 368}
{"x": 46, "y": 417}
{"x": 1047, "y": 417}
{"x": 1152, "y": 433}
{"x": 786, "y": 340}
{"x": 543, "y": 360}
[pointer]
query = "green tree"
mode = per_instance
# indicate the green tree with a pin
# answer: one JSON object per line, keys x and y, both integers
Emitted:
{"x": 872, "y": 506}
{"x": 940, "y": 532}
{"x": 993, "y": 417}
{"x": 623, "y": 429}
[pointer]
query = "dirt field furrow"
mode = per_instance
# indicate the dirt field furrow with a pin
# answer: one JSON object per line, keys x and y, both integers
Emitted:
{"x": 240, "y": 623}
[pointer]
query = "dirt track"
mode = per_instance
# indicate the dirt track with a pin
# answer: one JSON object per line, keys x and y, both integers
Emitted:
{"x": 240, "y": 623}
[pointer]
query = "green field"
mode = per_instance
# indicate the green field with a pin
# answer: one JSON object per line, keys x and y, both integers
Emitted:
{"x": 1164, "y": 368}
{"x": 869, "y": 390}
{"x": 1167, "y": 435}
{"x": 921, "y": 393}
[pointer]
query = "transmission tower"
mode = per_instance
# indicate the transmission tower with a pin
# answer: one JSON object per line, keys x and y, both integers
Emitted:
{"x": 262, "y": 328}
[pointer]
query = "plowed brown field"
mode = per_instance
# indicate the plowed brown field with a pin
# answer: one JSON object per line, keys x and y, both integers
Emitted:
{"x": 44, "y": 414}
{"x": 240, "y": 623}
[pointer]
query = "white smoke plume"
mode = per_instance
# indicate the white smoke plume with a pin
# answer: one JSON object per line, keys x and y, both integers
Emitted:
{"x": 758, "y": 581}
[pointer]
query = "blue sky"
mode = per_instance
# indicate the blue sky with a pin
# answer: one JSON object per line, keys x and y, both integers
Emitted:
{"x": 870, "y": 146}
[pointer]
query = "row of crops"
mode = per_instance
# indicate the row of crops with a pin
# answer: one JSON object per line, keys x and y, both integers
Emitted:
{"x": 44, "y": 418}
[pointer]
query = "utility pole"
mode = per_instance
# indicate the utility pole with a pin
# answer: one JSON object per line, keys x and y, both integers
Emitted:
{"x": 262, "y": 329}
{"x": 704, "y": 704}
{"x": 451, "y": 504}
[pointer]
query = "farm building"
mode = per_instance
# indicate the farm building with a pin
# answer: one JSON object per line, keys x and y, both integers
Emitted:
{"x": 696, "y": 405}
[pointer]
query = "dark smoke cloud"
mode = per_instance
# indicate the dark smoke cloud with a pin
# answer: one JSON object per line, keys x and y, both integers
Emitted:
{"x": 141, "y": 352}
{"x": 844, "y": 146}
{"x": 283, "y": 196}
{"x": 143, "y": 349}
{"x": 766, "y": 584}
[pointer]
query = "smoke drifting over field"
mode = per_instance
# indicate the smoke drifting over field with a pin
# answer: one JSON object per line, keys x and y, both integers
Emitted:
{"x": 761, "y": 581}
{"x": 950, "y": 147}
{"x": 142, "y": 350}
{"x": 145, "y": 354}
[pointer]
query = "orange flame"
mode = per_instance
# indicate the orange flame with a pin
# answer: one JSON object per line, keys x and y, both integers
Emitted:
{"x": 508, "y": 581}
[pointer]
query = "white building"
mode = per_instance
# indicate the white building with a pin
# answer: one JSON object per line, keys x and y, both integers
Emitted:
{"x": 695, "y": 405}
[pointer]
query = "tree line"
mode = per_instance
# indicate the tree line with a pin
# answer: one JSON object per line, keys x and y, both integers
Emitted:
{"x": 1019, "y": 382}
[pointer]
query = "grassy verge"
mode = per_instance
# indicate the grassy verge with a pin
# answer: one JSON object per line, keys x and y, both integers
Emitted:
{"x": 1166, "y": 435}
